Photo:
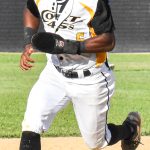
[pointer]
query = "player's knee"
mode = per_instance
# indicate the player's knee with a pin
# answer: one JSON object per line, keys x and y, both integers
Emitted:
{"x": 30, "y": 140}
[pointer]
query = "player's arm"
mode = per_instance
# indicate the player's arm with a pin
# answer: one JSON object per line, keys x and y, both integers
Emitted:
{"x": 103, "y": 26}
{"x": 101, "y": 43}
{"x": 31, "y": 22}
{"x": 55, "y": 44}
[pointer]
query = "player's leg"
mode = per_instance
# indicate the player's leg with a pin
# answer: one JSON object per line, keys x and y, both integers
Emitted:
{"x": 91, "y": 106}
{"x": 43, "y": 104}
{"x": 118, "y": 132}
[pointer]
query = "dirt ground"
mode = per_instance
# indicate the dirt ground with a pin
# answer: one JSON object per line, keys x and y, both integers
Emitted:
{"x": 66, "y": 143}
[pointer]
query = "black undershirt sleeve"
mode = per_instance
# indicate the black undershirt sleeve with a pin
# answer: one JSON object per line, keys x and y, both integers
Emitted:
{"x": 33, "y": 8}
{"x": 102, "y": 21}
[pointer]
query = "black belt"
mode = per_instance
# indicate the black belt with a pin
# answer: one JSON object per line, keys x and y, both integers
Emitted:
{"x": 72, "y": 74}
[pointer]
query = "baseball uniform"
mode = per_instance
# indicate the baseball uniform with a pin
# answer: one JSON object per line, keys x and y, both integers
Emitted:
{"x": 86, "y": 80}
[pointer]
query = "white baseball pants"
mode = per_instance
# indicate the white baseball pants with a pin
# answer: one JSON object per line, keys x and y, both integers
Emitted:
{"x": 90, "y": 97}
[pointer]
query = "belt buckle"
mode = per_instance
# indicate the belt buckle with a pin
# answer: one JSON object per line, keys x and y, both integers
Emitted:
{"x": 67, "y": 73}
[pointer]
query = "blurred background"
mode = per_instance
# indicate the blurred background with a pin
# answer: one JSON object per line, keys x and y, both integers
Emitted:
{"x": 132, "y": 21}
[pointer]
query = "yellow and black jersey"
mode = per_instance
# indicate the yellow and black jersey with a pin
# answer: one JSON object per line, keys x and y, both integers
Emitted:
{"x": 74, "y": 20}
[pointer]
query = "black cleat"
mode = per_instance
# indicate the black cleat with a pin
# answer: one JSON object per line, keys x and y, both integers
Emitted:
{"x": 133, "y": 121}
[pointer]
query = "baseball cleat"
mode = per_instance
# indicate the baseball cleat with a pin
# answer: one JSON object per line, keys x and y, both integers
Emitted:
{"x": 133, "y": 120}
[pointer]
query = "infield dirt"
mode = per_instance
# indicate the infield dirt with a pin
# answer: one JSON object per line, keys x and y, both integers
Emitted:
{"x": 66, "y": 143}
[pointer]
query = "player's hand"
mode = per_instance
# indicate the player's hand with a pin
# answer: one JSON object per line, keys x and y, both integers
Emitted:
{"x": 25, "y": 60}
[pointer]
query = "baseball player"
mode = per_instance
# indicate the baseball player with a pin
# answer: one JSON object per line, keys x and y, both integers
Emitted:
{"x": 78, "y": 34}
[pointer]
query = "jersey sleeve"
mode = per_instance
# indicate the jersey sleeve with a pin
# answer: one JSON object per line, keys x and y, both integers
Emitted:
{"x": 33, "y": 8}
{"x": 102, "y": 21}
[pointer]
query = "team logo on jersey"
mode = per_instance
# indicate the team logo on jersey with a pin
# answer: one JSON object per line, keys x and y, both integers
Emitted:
{"x": 51, "y": 16}
{"x": 60, "y": 43}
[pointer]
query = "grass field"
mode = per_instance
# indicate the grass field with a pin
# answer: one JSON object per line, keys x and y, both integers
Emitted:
{"x": 132, "y": 93}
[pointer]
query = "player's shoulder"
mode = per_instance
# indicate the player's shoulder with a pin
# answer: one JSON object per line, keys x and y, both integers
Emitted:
{"x": 102, "y": 21}
{"x": 103, "y": 3}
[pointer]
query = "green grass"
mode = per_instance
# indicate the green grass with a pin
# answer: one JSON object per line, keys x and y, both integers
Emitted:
{"x": 132, "y": 72}
{"x": 15, "y": 85}
{"x": 132, "y": 93}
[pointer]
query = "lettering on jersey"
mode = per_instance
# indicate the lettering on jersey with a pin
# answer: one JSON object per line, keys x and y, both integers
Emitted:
{"x": 61, "y": 5}
{"x": 60, "y": 43}
{"x": 51, "y": 16}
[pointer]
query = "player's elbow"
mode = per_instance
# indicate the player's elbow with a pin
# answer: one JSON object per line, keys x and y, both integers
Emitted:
{"x": 110, "y": 42}
{"x": 111, "y": 46}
